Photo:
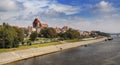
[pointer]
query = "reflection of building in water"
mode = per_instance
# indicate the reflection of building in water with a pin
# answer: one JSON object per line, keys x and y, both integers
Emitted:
{"x": 37, "y": 25}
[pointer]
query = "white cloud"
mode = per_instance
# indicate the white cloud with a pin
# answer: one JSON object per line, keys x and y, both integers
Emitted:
{"x": 68, "y": 10}
{"x": 32, "y": 4}
{"x": 108, "y": 20}
{"x": 8, "y": 5}
{"x": 29, "y": 9}
{"x": 104, "y": 8}
{"x": 52, "y": 12}
{"x": 104, "y": 4}
{"x": 110, "y": 25}
{"x": 45, "y": 6}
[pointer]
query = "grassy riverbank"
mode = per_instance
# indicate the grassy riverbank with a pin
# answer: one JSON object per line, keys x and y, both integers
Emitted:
{"x": 38, "y": 45}
{"x": 73, "y": 40}
{"x": 27, "y": 47}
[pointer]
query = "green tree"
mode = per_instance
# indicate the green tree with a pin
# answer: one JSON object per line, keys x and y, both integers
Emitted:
{"x": 61, "y": 35}
{"x": 20, "y": 33}
{"x": 8, "y": 35}
{"x": 99, "y": 33}
{"x": 70, "y": 34}
{"x": 48, "y": 33}
{"x": 33, "y": 36}
{"x": 1, "y": 37}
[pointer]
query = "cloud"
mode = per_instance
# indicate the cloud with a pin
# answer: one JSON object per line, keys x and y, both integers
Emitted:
{"x": 104, "y": 8}
{"x": 45, "y": 6}
{"x": 36, "y": 3}
{"x": 68, "y": 10}
{"x": 106, "y": 19}
{"x": 22, "y": 13}
{"x": 110, "y": 25}
{"x": 8, "y": 5}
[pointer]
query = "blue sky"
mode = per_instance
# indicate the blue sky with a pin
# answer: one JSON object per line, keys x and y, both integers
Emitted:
{"x": 103, "y": 15}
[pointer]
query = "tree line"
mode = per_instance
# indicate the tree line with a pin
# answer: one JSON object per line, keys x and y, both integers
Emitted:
{"x": 10, "y": 36}
{"x": 51, "y": 33}
{"x": 68, "y": 34}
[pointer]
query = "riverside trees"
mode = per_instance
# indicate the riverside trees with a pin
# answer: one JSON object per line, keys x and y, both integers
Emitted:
{"x": 48, "y": 33}
{"x": 70, "y": 34}
{"x": 51, "y": 33}
{"x": 33, "y": 36}
{"x": 9, "y": 36}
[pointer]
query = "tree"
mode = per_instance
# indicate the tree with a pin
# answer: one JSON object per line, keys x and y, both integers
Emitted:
{"x": 1, "y": 37}
{"x": 70, "y": 34}
{"x": 7, "y": 36}
{"x": 33, "y": 36}
{"x": 48, "y": 33}
{"x": 99, "y": 33}
{"x": 61, "y": 35}
{"x": 20, "y": 33}
{"x": 10, "y": 36}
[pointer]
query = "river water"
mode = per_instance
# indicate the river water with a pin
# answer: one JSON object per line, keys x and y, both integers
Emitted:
{"x": 102, "y": 53}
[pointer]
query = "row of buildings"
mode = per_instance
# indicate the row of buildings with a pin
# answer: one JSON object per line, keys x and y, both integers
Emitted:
{"x": 37, "y": 26}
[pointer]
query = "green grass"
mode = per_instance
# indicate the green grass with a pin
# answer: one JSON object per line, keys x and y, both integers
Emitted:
{"x": 27, "y": 47}
{"x": 37, "y": 45}
{"x": 72, "y": 40}
{"x": 43, "y": 38}
{"x": 26, "y": 39}
{"x": 38, "y": 39}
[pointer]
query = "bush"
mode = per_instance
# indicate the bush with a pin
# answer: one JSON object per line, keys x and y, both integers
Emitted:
{"x": 33, "y": 36}
{"x": 70, "y": 34}
{"x": 8, "y": 36}
{"x": 48, "y": 33}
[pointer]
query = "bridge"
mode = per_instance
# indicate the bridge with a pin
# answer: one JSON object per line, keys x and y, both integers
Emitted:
{"x": 115, "y": 34}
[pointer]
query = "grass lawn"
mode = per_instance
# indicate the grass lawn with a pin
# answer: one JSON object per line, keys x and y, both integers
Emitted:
{"x": 32, "y": 46}
{"x": 37, "y": 45}
{"x": 38, "y": 39}
{"x": 72, "y": 40}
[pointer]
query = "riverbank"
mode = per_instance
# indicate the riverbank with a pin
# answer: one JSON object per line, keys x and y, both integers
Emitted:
{"x": 37, "y": 44}
{"x": 24, "y": 47}
{"x": 23, "y": 54}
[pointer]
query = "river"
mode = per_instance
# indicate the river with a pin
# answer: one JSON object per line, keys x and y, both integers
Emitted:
{"x": 102, "y": 53}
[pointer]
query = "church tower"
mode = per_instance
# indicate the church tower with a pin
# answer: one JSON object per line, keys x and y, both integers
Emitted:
{"x": 36, "y": 23}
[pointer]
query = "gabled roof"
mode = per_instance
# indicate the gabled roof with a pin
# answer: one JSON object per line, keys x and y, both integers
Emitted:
{"x": 36, "y": 20}
{"x": 44, "y": 25}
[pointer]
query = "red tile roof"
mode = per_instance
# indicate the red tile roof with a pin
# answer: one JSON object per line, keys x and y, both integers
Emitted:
{"x": 44, "y": 25}
{"x": 37, "y": 22}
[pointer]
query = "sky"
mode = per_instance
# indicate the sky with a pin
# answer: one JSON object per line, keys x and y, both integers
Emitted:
{"x": 101, "y": 15}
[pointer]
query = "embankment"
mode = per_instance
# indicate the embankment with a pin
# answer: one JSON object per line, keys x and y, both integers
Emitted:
{"x": 8, "y": 57}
